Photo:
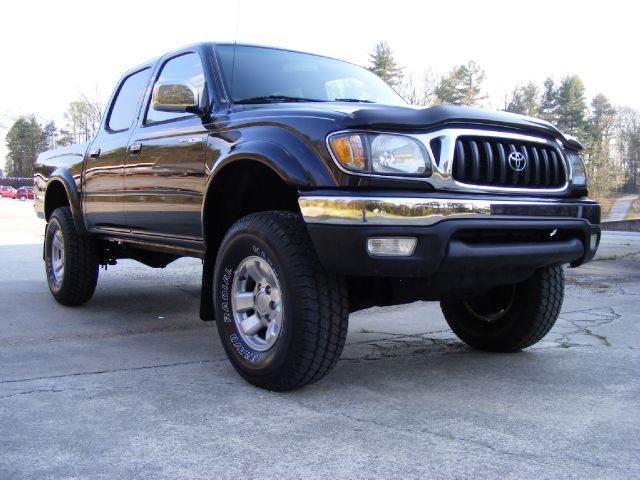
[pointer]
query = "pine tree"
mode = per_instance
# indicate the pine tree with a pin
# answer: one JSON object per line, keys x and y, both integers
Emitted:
{"x": 50, "y": 132}
{"x": 571, "y": 106}
{"x": 549, "y": 101}
{"x": 525, "y": 100}
{"x": 384, "y": 64}
{"x": 461, "y": 86}
{"x": 25, "y": 141}
{"x": 598, "y": 136}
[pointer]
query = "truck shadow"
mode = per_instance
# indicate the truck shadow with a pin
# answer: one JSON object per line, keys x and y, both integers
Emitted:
{"x": 132, "y": 300}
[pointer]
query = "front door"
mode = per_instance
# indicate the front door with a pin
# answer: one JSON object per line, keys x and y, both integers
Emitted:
{"x": 165, "y": 164}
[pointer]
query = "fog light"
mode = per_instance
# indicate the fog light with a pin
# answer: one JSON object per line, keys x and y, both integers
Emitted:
{"x": 594, "y": 241}
{"x": 392, "y": 247}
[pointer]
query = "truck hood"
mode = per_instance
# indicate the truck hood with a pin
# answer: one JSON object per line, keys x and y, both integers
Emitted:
{"x": 385, "y": 117}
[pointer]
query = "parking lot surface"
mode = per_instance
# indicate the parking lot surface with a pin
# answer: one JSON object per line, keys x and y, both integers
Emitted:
{"x": 133, "y": 385}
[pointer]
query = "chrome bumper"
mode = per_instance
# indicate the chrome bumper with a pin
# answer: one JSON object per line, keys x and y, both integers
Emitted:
{"x": 401, "y": 211}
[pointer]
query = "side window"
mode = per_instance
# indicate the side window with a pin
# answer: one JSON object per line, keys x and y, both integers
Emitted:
{"x": 125, "y": 105}
{"x": 185, "y": 67}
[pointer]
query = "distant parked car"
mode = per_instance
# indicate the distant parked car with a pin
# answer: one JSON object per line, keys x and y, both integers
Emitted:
{"x": 8, "y": 192}
{"x": 25, "y": 192}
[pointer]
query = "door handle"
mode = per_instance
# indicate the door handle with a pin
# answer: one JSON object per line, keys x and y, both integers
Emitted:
{"x": 94, "y": 153}
{"x": 135, "y": 149}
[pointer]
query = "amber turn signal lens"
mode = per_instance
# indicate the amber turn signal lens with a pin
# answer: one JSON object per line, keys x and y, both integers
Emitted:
{"x": 349, "y": 150}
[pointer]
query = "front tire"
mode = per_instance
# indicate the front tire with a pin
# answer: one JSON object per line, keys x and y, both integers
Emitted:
{"x": 510, "y": 317}
{"x": 281, "y": 317}
{"x": 71, "y": 262}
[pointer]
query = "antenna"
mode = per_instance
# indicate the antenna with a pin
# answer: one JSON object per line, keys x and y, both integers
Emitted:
{"x": 235, "y": 44}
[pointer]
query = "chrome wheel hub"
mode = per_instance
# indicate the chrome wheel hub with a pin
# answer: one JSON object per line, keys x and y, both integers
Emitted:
{"x": 257, "y": 303}
{"x": 57, "y": 257}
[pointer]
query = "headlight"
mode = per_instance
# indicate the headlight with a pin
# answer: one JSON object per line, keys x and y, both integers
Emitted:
{"x": 578, "y": 170}
{"x": 380, "y": 153}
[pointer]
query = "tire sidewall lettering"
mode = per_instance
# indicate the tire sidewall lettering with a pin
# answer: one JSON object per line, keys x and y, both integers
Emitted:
{"x": 245, "y": 357}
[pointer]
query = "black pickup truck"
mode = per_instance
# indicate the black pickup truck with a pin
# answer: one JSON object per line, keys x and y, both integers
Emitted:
{"x": 310, "y": 190}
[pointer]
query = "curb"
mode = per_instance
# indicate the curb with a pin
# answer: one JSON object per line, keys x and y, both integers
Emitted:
{"x": 622, "y": 226}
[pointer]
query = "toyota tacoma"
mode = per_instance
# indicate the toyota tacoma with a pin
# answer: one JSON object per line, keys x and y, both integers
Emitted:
{"x": 310, "y": 189}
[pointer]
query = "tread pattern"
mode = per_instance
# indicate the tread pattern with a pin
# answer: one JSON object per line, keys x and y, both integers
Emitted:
{"x": 551, "y": 284}
{"x": 540, "y": 301}
{"x": 321, "y": 300}
{"x": 81, "y": 262}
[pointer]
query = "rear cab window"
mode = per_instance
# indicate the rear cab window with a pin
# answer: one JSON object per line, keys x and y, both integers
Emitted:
{"x": 125, "y": 106}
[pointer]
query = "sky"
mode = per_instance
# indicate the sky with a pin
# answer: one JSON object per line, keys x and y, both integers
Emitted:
{"x": 54, "y": 50}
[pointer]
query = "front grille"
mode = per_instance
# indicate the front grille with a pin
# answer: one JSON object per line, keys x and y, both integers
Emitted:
{"x": 485, "y": 161}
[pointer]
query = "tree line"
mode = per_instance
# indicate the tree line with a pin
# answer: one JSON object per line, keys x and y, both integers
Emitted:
{"x": 610, "y": 134}
{"x": 28, "y": 136}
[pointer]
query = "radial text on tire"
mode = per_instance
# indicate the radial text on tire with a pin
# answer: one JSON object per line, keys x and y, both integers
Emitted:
{"x": 281, "y": 317}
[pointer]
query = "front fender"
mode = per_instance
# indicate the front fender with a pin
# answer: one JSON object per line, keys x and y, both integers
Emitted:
{"x": 63, "y": 176}
{"x": 301, "y": 169}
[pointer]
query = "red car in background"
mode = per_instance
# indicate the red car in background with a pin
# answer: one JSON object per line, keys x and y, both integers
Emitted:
{"x": 25, "y": 192}
{"x": 8, "y": 192}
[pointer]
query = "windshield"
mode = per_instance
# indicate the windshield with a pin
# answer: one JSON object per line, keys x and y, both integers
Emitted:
{"x": 266, "y": 75}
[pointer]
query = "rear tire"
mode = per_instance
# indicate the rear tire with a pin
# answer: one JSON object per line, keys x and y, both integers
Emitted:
{"x": 281, "y": 317}
{"x": 71, "y": 261}
{"x": 510, "y": 317}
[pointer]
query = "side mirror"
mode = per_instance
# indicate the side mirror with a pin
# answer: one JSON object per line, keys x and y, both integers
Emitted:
{"x": 175, "y": 96}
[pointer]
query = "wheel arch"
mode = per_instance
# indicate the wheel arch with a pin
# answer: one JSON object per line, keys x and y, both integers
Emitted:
{"x": 226, "y": 201}
{"x": 244, "y": 185}
{"x": 61, "y": 191}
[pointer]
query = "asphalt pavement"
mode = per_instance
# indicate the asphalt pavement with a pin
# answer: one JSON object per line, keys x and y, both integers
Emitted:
{"x": 133, "y": 385}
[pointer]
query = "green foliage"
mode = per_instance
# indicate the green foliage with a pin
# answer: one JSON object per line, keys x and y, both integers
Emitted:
{"x": 384, "y": 64}
{"x": 549, "y": 101}
{"x": 597, "y": 136}
{"x": 65, "y": 138}
{"x": 525, "y": 100}
{"x": 461, "y": 86}
{"x": 571, "y": 108}
{"x": 25, "y": 140}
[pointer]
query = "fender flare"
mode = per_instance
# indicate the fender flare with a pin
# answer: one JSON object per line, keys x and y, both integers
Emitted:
{"x": 63, "y": 176}
{"x": 274, "y": 156}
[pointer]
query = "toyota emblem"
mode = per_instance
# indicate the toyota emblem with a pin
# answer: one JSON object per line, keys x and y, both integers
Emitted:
{"x": 517, "y": 161}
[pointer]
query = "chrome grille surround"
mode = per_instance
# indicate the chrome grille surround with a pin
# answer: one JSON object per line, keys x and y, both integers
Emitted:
{"x": 446, "y": 172}
{"x": 441, "y": 146}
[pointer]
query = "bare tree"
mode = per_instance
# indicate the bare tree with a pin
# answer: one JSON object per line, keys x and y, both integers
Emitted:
{"x": 628, "y": 143}
{"x": 418, "y": 91}
{"x": 598, "y": 133}
{"x": 83, "y": 117}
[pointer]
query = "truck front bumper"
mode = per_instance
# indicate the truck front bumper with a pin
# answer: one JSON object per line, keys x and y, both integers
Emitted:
{"x": 457, "y": 237}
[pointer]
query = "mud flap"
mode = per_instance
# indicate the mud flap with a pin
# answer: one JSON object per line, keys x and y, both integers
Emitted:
{"x": 206, "y": 292}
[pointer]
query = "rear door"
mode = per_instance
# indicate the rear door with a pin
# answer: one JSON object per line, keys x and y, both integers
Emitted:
{"x": 103, "y": 189}
{"x": 165, "y": 162}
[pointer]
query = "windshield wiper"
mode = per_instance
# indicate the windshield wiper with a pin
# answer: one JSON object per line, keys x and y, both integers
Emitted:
{"x": 277, "y": 99}
{"x": 354, "y": 100}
